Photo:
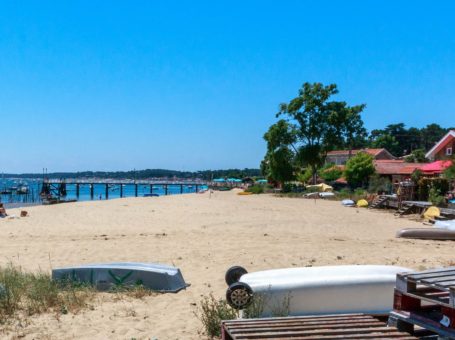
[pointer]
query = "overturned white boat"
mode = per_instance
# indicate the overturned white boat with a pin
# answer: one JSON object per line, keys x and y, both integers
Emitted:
{"x": 105, "y": 276}
{"x": 314, "y": 290}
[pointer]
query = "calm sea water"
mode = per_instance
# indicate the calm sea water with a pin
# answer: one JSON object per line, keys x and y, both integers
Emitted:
{"x": 84, "y": 191}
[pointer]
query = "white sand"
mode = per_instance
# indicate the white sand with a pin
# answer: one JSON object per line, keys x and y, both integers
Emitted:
{"x": 202, "y": 236}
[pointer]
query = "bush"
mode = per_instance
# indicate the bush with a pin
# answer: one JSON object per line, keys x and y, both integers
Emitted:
{"x": 38, "y": 293}
{"x": 256, "y": 189}
{"x": 212, "y": 312}
{"x": 330, "y": 172}
{"x": 435, "y": 197}
{"x": 441, "y": 185}
{"x": 358, "y": 169}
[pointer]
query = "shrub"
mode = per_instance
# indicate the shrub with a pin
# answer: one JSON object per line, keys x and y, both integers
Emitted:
{"x": 441, "y": 185}
{"x": 330, "y": 172}
{"x": 256, "y": 189}
{"x": 359, "y": 168}
{"x": 212, "y": 312}
{"x": 38, "y": 293}
{"x": 435, "y": 197}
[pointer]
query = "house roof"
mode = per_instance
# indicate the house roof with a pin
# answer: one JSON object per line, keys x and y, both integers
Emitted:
{"x": 439, "y": 145}
{"x": 373, "y": 152}
{"x": 395, "y": 167}
{"x": 435, "y": 167}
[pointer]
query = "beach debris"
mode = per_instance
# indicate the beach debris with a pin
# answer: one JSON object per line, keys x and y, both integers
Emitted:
{"x": 24, "y": 213}
{"x": 106, "y": 276}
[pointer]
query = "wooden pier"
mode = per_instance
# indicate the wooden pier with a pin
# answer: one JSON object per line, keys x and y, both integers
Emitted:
{"x": 58, "y": 188}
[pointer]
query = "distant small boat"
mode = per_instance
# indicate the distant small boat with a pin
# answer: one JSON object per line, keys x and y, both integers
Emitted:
{"x": 22, "y": 190}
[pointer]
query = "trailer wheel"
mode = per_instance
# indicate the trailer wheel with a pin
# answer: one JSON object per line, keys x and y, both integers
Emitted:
{"x": 234, "y": 274}
{"x": 239, "y": 295}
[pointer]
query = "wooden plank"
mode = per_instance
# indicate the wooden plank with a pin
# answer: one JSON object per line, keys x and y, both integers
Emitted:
{"x": 300, "y": 323}
{"x": 437, "y": 279}
{"x": 429, "y": 273}
{"x": 304, "y": 327}
{"x": 395, "y": 335}
{"x": 319, "y": 318}
{"x": 334, "y": 332}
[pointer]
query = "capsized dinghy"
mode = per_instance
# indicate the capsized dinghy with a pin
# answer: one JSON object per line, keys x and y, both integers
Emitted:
{"x": 104, "y": 276}
{"x": 439, "y": 234}
{"x": 315, "y": 290}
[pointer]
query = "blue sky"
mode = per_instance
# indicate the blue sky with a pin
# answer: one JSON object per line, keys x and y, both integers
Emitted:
{"x": 189, "y": 85}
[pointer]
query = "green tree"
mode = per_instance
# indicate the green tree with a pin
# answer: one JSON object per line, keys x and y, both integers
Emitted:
{"x": 319, "y": 125}
{"x": 416, "y": 156}
{"x": 330, "y": 172}
{"x": 278, "y": 162}
{"x": 449, "y": 173}
{"x": 388, "y": 142}
{"x": 431, "y": 134}
{"x": 358, "y": 169}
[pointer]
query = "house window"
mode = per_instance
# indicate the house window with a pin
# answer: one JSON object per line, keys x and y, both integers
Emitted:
{"x": 449, "y": 152}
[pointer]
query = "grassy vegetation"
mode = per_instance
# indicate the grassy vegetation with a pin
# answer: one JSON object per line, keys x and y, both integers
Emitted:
{"x": 212, "y": 311}
{"x": 27, "y": 293}
{"x": 24, "y": 294}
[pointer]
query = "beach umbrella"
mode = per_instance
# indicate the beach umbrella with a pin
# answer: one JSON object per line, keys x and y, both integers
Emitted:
{"x": 219, "y": 180}
{"x": 261, "y": 181}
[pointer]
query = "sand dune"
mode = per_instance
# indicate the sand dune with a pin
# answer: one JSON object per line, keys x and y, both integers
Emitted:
{"x": 203, "y": 236}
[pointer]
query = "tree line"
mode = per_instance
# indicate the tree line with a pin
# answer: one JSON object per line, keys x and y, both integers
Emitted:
{"x": 312, "y": 124}
{"x": 206, "y": 175}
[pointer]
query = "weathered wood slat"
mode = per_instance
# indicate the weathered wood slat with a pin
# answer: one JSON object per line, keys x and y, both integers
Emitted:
{"x": 356, "y": 326}
{"x": 304, "y": 327}
{"x": 299, "y": 323}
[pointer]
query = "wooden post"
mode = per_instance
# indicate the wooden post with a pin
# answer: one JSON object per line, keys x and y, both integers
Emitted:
{"x": 181, "y": 188}
{"x": 135, "y": 190}
{"x": 151, "y": 189}
{"x": 165, "y": 189}
{"x": 196, "y": 188}
{"x": 91, "y": 190}
{"x": 107, "y": 191}
{"x": 77, "y": 190}
{"x": 121, "y": 190}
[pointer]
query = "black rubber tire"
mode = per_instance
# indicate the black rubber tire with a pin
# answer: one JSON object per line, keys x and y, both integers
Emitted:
{"x": 234, "y": 274}
{"x": 239, "y": 295}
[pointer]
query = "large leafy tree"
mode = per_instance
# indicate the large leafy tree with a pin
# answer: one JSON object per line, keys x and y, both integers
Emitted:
{"x": 359, "y": 169}
{"x": 319, "y": 125}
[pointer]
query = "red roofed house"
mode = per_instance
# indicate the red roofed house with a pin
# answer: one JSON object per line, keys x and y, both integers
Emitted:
{"x": 396, "y": 170}
{"x": 340, "y": 157}
{"x": 443, "y": 149}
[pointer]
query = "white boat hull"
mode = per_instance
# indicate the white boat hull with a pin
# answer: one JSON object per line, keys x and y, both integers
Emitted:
{"x": 322, "y": 290}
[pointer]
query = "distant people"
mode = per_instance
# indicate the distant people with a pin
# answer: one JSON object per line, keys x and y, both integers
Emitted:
{"x": 2, "y": 211}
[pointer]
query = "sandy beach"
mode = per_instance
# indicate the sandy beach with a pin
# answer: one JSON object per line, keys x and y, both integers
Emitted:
{"x": 203, "y": 236}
